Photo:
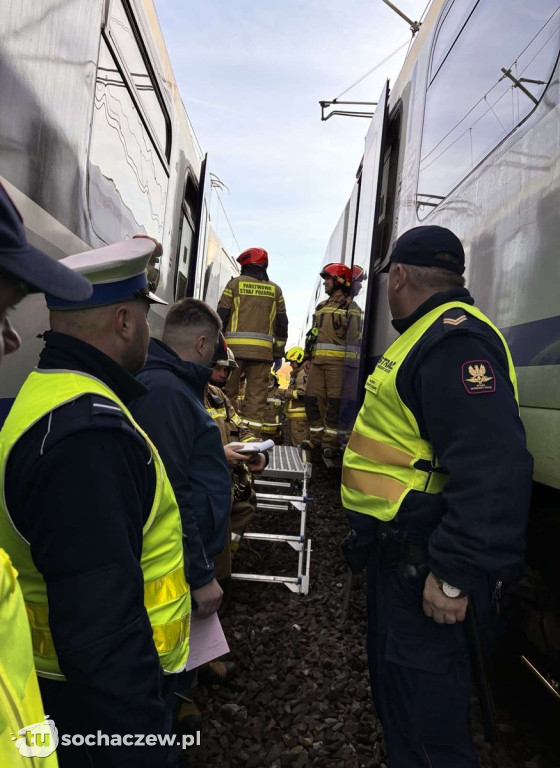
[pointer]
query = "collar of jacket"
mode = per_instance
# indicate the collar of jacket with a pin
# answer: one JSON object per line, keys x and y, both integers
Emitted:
{"x": 162, "y": 357}
{"x": 256, "y": 271}
{"x": 401, "y": 324}
{"x": 69, "y": 353}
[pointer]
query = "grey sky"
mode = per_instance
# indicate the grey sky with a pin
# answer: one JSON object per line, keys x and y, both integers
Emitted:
{"x": 251, "y": 75}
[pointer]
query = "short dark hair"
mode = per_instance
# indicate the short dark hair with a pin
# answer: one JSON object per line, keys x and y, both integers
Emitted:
{"x": 192, "y": 313}
{"x": 436, "y": 278}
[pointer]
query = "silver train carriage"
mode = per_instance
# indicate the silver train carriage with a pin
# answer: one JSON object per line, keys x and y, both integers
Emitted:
{"x": 468, "y": 137}
{"x": 96, "y": 146}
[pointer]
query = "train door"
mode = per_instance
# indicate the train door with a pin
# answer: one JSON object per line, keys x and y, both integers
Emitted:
{"x": 198, "y": 262}
{"x": 357, "y": 364}
{"x": 187, "y": 228}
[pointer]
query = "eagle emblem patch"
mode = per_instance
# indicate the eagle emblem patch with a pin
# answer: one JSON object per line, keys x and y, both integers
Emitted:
{"x": 478, "y": 377}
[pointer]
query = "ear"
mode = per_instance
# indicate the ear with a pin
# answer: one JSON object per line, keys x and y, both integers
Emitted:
{"x": 401, "y": 277}
{"x": 123, "y": 320}
{"x": 200, "y": 344}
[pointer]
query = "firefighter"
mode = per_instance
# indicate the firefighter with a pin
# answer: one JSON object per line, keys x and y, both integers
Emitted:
{"x": 232, "y": 430}
{"x": 256, "y": 327}
{"x": 330, "y": 342}
{"x": 295, "y": 409}
{"x": 273, "y": 413}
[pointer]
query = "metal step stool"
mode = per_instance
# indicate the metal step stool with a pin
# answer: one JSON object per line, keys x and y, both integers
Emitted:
{"x": 286, "y": 476}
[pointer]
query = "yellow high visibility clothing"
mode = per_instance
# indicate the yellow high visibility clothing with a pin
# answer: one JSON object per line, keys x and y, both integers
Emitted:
{"x": 386, "y": 456}
{"x": 166, "y": 592}
{"x": 20, "y": 699}
{"x": 252, "y": 328}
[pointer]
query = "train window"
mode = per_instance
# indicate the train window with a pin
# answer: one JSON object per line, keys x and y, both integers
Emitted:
{"x": 455, "y": 16}
{"x": 186, "y": 239}
{"x": 127, "y": 185}
{"x": 125, "y": 36}
{"x": 488, "y": 74}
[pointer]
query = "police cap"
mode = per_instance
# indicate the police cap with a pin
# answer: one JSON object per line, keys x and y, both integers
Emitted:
{"x": 118, "y": 273}
{"x": 422, "y": 247}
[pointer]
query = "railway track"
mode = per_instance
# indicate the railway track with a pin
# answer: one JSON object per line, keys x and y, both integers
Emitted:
{"x": 301, "y": 693}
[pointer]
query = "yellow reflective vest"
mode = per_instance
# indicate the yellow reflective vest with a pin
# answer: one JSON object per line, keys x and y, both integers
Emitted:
{"x": 386, "y": 457}
{"x": 166, "y": 592}
{"x": 20, "y": 699}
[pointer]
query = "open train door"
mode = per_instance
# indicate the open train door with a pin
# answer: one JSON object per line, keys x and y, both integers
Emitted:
{"x": 369, "y": 205}
{"x": 198, "y": 261}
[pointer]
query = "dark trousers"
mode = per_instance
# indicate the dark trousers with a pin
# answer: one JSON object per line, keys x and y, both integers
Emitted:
{"x": 420, "y": 674}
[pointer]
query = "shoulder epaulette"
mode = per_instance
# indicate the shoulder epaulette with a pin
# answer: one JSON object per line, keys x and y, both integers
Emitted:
{"x": 455, "y": 318}
{"x": 87, "y": 412}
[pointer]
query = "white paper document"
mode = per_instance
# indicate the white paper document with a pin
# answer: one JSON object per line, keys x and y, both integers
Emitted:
{"x": 207, "y": 641}
{"x": 266, "y": 445}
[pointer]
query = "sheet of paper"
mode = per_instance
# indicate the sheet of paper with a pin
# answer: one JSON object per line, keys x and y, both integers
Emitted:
{"x": 207, "y": 641}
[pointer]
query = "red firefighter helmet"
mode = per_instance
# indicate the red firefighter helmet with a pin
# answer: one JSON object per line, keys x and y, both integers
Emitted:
{"x": 358, "y": 274}
{"x": 340, "y": 273}
{"x": 253, "y": 256}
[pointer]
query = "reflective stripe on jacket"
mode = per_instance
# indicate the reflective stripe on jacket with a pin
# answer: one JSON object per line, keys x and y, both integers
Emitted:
{"x": 20, "y": 699}
{"x": 252, "y": 329}
{"x": 166, "y": 592}
{"x": 386, "y": 457}
{"x": 272, "y": 413}
{"x": 297, "y": 386}
{"x": 337, "y": 321}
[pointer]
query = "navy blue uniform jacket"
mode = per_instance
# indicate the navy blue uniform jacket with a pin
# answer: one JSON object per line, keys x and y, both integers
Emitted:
{"x": 475, "y": 529}
{"x": 173, "y": 414}
{"x": 79, "y": 488}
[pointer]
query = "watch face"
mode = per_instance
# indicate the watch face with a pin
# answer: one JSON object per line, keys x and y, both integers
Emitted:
{"x": 450, "y": 591}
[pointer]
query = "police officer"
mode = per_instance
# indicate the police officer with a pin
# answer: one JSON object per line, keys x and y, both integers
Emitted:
{"x": 90, "y": 520}
{"x": 293, "y": 396}
{"x": 437, "y": 479}
{"x": 256, "y": 327}
{"x": 331, "y": 341}
{"x": 23, "y": 270}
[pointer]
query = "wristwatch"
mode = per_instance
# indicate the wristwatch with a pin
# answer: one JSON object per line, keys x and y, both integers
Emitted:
{"x": 448, "y": 590}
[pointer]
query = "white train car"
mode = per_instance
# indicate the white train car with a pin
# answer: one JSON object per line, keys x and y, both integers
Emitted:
{"x": 468, "y": 137}
{"x": 96, "y": 146}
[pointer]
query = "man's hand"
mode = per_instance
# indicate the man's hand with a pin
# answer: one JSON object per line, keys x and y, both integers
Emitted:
{"x": 257, "y": 463}
{"x": 307, "y": 366}
{"x": 442, "y": 609}
{"x": 232, "y": 457}
{"x": 208, "y": 599}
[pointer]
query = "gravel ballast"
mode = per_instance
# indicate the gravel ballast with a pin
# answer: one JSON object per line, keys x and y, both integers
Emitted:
{"x": 301, "y": 695}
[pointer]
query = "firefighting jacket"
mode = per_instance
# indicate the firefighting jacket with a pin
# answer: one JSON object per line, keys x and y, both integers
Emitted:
{"x": 335, "y": 333}
{"x": 272, "y": 418}
{"x": 232, "y": 430}
{"x": 254, "y": 317}
{"x": 295, "y": 408}
{"x": 219, "y": 407}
